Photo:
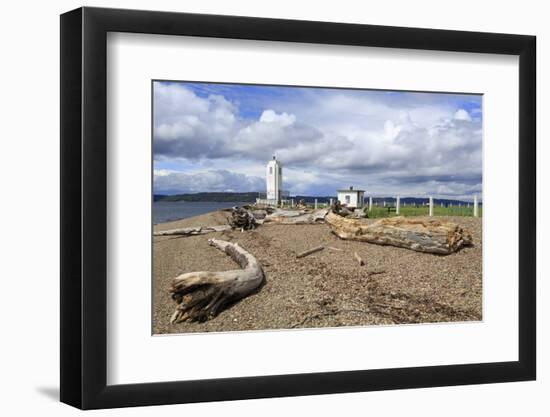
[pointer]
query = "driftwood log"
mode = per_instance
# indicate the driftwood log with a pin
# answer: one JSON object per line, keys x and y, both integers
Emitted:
{"x": 242, "y": 218}
{"x": 432, "y": 236}
{"x": 296, "y": 217}
{"x": 310, "y": 251}
{"x": 201, "y": 295}
{"x": 192, "y": 231}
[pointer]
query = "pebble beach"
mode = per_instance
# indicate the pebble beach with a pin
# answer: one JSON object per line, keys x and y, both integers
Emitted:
{"x": 328, "y": 288}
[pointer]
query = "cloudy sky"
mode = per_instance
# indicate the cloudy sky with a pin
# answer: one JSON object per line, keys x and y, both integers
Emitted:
{"x": 219, "y": 137}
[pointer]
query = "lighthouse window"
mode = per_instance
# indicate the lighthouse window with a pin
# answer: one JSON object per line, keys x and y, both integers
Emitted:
{"x": 280, "y": 171}
{"x": 270, "y": 170}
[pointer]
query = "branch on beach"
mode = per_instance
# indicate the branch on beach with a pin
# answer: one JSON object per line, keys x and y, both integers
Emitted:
{"x": 192, "y": 231}
{"x": 202, "y": 295}
{"x": 431, "y": 236}
{"x": 310, "y": 251}
{"x": 358, "y": 259}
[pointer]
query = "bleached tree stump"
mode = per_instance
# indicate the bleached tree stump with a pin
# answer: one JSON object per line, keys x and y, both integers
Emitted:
{"x": 432, "y": 236}
{"x": 202, "y": 295}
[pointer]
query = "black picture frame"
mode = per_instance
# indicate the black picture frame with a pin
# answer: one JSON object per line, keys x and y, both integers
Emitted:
{"x": 84, "y": 207}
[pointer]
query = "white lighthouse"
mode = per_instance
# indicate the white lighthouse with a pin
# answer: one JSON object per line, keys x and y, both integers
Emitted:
{"x": 274, "y": 181}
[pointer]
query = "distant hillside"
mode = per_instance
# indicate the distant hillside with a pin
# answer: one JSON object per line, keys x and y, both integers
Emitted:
{"x": 157, "y": 197}
{"x": 216, "y": 197}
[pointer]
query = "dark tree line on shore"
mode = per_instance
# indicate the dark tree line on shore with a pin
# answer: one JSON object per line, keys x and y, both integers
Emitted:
{"x": 250, "y": 197}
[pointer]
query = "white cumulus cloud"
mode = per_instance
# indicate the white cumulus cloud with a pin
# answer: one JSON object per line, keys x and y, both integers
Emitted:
{"x": 284, "y": 119}
{"x": 462, "y": 114}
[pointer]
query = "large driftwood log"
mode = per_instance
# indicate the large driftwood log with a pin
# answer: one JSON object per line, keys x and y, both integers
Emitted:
{"x": 192, "y": 231}
{"x": 432, "y": 236}
{"x": 243, "y": 218}
{"x": 201, "y": 295}
{"x": 296, "y": 217}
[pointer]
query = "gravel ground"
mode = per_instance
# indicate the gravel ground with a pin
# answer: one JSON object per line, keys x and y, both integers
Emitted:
{"x": 325, "y": 289}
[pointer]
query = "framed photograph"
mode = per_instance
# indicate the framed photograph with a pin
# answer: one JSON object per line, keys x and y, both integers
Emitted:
{"x": 257, "y": 208}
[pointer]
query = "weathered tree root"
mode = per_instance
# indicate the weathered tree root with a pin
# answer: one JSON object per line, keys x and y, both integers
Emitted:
{"x": 432, "y": 236}
{"x": 202, "y": 295}
{"x": 242, "y": 218}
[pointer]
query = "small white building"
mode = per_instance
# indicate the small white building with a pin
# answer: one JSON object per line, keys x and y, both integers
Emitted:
{"x": 351, "y": 198}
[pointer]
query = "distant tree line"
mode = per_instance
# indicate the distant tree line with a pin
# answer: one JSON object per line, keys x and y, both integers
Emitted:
{"x": 214, "y": 197}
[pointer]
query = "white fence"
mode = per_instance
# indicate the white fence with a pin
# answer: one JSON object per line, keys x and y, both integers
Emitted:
{"x": 430, "y": 204}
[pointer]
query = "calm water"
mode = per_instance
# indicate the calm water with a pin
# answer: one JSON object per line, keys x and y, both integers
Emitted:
{"x": 165, "y": 211}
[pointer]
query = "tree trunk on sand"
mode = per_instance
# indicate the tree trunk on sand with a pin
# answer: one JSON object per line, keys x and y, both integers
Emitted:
{"x": 296, "y": 217}
{"x": 192, "y": 231}
{"x": 201, "y": 295}
{"x": 430, "y": 236}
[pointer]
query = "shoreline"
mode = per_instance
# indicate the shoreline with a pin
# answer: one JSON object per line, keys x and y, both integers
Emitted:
{"x": 171, "y": 211}
{"x": 215, "y": 218}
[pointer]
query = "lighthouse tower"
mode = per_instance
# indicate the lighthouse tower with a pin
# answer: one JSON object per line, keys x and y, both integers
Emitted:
{"x": 274, "y": 181}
